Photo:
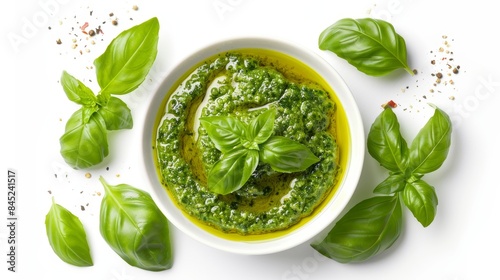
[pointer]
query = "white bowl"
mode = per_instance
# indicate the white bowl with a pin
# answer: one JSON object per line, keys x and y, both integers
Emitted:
{"x": 351, "y": 158}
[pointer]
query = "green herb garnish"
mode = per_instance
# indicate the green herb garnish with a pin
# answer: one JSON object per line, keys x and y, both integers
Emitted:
{"x": 119, "y": 70}
{"x": 135, "y": 228}
{"x": 67, "y": 236}
{"x": 243, "y": 146}
{"x": 370, "y": 45}
{"x": 374, "y": 224}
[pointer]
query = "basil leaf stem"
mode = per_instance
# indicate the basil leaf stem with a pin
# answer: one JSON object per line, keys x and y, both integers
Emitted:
{"x": 67, "y": 236}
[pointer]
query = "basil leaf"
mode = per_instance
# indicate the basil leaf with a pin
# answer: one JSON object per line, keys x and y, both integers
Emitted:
{"x": 116, "y": 114}
{"x": 67, "y": 236}
{"x": 430, "y": 147}
{"x": 392, "y": 184}
{"x": 128, "y": 58}
{"x": 87, "y": 112}
{"x": 225, "y": 132}
{"x": 232, "y": 171}
{"x": 285, "y": 155}
{"x": 367, "y": 229}
{"x": 134, "y": 227}
{"x": 385, "y": 143}
{"x": 76, "y": 91}
{"x": 422, "y": 201}
{"x": 84, "y": 144}
{"x": 370, "y": 45}
{"x": 262, "y": 127}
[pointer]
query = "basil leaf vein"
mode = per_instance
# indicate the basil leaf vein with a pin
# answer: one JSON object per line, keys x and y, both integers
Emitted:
{"x": 370, "y": 45}
{"x": 262, "y": 127}
{"x": 128, "y": 58}
{"x": 77, "y": 91}
{"x": 430, "y": 147}
{"x": 370, "y": 227}
{"x": 67, "y": 236}
{"x": 134, "y": 227}
{"x": 285, "y": 155}
{"x": 232, "y": 171}
{"x": 84, "y": 144}
{"x": 225, "y": 132}
{"x": 422, "y": 201}
{"x": 116, "y": 114}
{"x": 385, "y": 142}
{"x": 367, "y": 229}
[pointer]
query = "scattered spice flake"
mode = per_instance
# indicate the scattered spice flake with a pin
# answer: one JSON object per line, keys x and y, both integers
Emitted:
{"x": 444, "y": 61}
{"x": 82, "y": 207}
{"x": 49, "y": 191}
{"x": 58, "y": 41}
{"x": 98, "y": 30}
{"x": 391, "y": 104}
{"x": 135, "y": 8}
{"x": 83, "y": 27}
{"x": 88, "y": 175}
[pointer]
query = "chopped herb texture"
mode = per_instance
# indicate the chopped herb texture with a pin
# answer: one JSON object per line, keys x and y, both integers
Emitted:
{"x": 263, "y": 154}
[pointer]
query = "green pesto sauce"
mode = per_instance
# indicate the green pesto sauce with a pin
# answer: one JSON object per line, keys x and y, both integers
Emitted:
{"x": 244, "y": 85}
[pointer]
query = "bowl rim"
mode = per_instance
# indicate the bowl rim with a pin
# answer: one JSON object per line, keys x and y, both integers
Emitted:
{"x": 322, "y": 219}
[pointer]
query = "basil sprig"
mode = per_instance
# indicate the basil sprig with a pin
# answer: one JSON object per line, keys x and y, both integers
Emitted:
{"x": 135, "y": 228}
{"x": 67, "y": 236}
{"x": 370, "y": 45}
{"x": 243, "y": 146}
{"x": 374, "y": 224}
{"x": 119, "y": 70}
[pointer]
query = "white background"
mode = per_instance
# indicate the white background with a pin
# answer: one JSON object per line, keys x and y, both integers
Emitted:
{"x": 462, "y": 242}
